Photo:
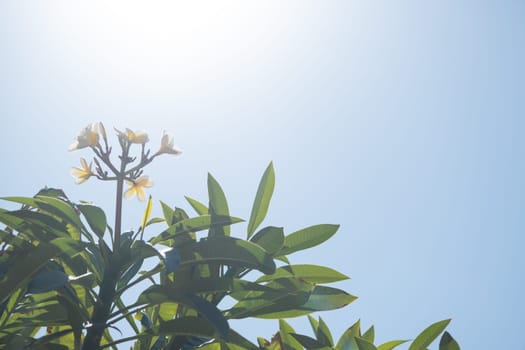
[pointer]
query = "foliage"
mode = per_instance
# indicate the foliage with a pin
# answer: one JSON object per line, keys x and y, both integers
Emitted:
{"x": 66, "y": 275}
{"x": 353, "y": 338}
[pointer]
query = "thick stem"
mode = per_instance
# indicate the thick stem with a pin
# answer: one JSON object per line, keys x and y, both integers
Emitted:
{"x": 102, "y": 308}
{"x": 118, "y": 206}
{"x": 118, "y": 213}
{"x": 112, "y": 271}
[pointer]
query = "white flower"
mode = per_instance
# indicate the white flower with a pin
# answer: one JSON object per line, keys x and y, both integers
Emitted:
{"x": 83, "y": 173}
{"x": 137, "y": 187}
{"x": 101, "y": 130}
{"x": 167, "y": 146}
{"x": 131, "y": 136}
{"x": 88, "y": 137}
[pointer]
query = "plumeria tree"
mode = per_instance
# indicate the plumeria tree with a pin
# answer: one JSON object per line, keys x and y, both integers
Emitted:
{"x": 66, "y": 274}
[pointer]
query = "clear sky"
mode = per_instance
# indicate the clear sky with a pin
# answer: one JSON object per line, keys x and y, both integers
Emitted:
{"x": 403, "y": 121}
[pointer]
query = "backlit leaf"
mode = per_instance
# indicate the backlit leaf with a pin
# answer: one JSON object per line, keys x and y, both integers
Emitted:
{"x": 218, "y": 204}
{"x": 147, "y": 213}
{"x": 429, "y": 334}
{"x": 262, "y": 199}
{"x": 95, "y": 217}
{"x": 448, "y": 343}
{"x": 307, "y": 238}
{"x": 310, "y": 273}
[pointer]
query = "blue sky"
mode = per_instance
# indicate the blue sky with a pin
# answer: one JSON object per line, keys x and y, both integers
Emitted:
{"x": 402, "y": 121}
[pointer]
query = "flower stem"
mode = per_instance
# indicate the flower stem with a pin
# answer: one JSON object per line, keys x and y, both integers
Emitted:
{"x": 118, "y": 213}
{"x": 112, "y": 270}
{"x": 118, "y": 205}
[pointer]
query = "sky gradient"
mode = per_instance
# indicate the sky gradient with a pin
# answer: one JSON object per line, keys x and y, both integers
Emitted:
{"x": 401, "y": 121}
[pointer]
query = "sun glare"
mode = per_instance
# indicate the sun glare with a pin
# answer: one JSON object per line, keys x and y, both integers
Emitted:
{"x": 168, "y": 38}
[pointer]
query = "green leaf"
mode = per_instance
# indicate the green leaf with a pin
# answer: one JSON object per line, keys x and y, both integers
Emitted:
{"x": 448, "y": 343}
{"x": 129, "y": 274}
{"x": 369, "y": 335}
{"x": 95, "y": 217}
{"x": 290, "y": 298}
{"x": 308, "y": 342}
{"x": 218, "y": 203}
{"x": 158, "y": 294}
{"x": 155, "y": 221}
{"x": 307, "y": 238}
{"x": 262, "y": 199}
{"x": 188, "y": 326}
{"x": 428, "y": 335}
{"x": 391, "y": 344}
{"x": 280, "y": 297}
{"x": 52, "y": 205}
{"x": 309, "y": 273}
{"x": 363, "y": 344}
{"x": 195, "y": 224}
{"x": 200, "y": 208}
{"x": 227, "y": 251}
{"x": 46, "y": 281}
{"x": 348, "y": 339}
{"x": 270, "y": 238}
{"x": 313, "y": 323}
{"x": 323, "y": 334}
{"x": 327, "y": 298}
{"x": 211, "y": 313}
{"x": 167, "y": 212}
{"x": 147, "y": 213}
{"x": 289, "y": 342}
{"x": 21, "y": 272}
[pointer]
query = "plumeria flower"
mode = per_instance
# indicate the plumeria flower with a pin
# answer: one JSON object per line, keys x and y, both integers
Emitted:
{"x": 88, "y": 137}
{"x": 83, "y": 173}
{"x": 137, "y": 187}
{"x": 101, "y": 130}
{"x": 131, "y": 136}
{"x": 167, "y": 146}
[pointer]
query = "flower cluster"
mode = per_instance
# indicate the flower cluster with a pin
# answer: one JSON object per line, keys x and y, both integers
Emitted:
{"x": 129, "y": 170}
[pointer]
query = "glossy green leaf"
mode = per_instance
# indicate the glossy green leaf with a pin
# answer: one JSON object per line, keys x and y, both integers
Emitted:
{"x": 307, "y": 238}
{"x": 363, "y": 344}
{"x": 428, "y": 335}
{"x": 200, "y": 208}
{"x": 218, "y": 204}
{"x": 95, "y": 217}
{"x": 195, "y": 224}
{"x": 262, "y": 199}
{"x": 270, "y": 238}
{"x": 448, "y": 343}
{"x": 391, "y": 344}
{"x": 309, "y": 273}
